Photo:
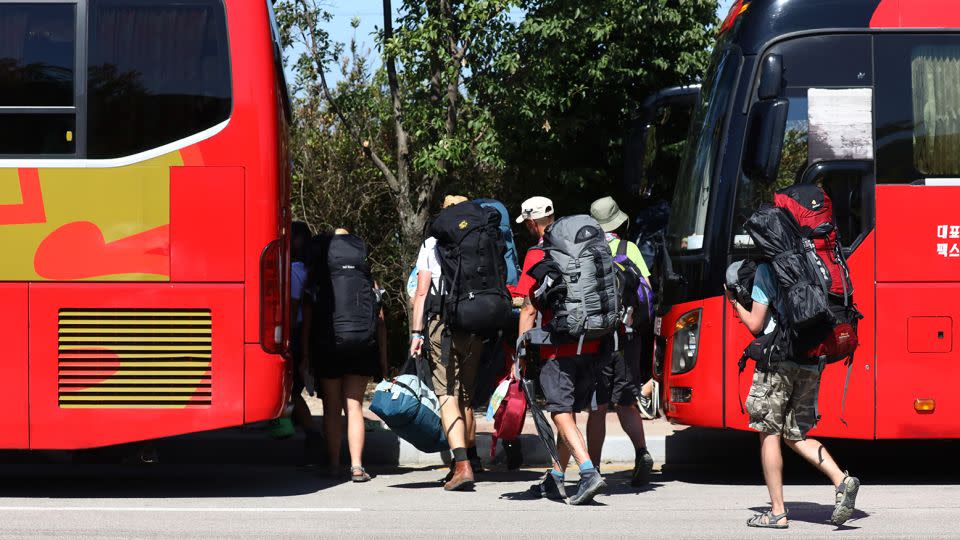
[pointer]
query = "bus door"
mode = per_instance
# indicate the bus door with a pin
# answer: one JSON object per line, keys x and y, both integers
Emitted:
{"x": 827, "y": 139}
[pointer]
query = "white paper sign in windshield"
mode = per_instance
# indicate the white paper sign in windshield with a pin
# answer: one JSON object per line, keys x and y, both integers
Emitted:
{"x": 841, "y": 124}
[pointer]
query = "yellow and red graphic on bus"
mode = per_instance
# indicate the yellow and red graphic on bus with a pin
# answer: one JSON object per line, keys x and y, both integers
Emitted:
{"x": 71, "y": 224}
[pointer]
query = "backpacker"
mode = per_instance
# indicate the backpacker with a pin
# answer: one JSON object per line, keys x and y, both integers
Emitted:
{"x": 817, "y": 318}
{"x": 410, "y": 409}
{"x": 473, "y": 296}
{"x": 636, "y": 296}
{"x": 354, "y": 301}
{"x": 585, "y": 300}
{"x": 506, "y": 233}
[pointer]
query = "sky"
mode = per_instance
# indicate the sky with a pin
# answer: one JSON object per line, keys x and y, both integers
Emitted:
{"x": 370, "y": 13}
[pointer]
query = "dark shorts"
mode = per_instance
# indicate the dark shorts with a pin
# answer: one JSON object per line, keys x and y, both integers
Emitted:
{"x": 328, "y": 363}
{"x": 618, "y": 382}
{"x": 569, "y": 382}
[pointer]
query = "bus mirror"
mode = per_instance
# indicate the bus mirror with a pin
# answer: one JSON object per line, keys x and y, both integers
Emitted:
{"x": 771, "y": 77}
{"x": 768, "y": 122}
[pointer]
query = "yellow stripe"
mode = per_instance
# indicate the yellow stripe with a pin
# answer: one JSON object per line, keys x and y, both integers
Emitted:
{"x": 140, "y": 347}
{"x": 105, "y": 313}
{"x": 134, "y": 339}
{"x": 147, "y": 364}
{"x": 121, "y": 372}
{"x": 145, "y": 406}
{"x": 145, "y": 331}
{"x": 121, "y": 355}
{"x": 145, "y": 322}
{"x": 78, "y": 398}
{"x": 113, "y": 380}
{"x": 130, "y": 390}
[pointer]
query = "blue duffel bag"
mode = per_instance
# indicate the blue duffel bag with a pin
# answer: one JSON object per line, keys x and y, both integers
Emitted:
{"x": 411, "y": 410}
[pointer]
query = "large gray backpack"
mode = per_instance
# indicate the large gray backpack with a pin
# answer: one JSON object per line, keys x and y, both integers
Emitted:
{"x": 589, "y": 305}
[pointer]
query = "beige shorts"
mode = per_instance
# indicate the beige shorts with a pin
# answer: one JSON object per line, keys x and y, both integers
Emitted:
{"x": 784, "y": 401}
{"x": 459, "y": 376}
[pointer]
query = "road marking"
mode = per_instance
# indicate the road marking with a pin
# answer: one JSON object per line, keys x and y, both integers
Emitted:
{"x": 170, "y": 509}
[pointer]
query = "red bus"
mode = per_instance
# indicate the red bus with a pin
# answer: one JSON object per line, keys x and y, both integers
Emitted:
{"x": 860, "y": 97}
{"x": 143, "y": 218}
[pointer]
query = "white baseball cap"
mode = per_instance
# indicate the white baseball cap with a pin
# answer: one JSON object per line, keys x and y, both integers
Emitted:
{"x": 535, "y": 208}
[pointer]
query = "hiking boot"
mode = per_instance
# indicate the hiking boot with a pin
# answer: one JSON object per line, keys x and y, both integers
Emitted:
{"x": 550, "y": 487}
{"x": 642, "y": 468}
{"x": 846, "y": 499}
{"x": 462, "y": 478}
{"x": 591, "y": 483}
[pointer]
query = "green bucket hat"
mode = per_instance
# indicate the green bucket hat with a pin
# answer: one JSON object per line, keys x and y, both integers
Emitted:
{"x": 608, "y": 214}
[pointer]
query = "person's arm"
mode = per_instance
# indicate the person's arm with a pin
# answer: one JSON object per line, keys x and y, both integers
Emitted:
{"x": 752, "y": 319}
{"x": 417, "y": 332}
{"x": 528, "y": 316}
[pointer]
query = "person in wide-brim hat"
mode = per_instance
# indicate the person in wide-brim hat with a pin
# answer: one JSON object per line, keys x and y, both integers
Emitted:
{"x": 608, "y": 214}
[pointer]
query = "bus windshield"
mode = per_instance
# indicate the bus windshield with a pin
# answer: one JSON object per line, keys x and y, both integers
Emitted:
{"x": 692, "y": 196}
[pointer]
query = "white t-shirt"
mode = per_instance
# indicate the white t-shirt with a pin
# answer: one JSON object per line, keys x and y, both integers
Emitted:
{"x": 298, "y": 277}
{"x": 427, "y": 261}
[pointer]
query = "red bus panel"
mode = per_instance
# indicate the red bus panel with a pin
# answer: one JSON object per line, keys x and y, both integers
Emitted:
{"x": 112, "y": 364}
{"x": 13, "y": 367}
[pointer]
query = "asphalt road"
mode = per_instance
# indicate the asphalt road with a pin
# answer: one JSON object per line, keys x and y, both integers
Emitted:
{"x": 910, "y": 496}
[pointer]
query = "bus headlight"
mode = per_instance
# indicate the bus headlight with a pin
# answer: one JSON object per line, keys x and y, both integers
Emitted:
{"x": 686, "y": 341}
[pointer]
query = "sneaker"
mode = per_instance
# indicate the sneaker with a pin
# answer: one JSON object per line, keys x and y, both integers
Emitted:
{"x": 549, "y": 487}
{"x": 846, "y": 499}
{"x": 642, "y": 469}
{"x": 591, "y": 483}
{"x": 649, "y": 404}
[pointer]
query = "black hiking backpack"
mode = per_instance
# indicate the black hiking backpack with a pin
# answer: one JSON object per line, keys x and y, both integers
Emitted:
{"x": 473, "y": 296}
{"x": 354, "y": 302}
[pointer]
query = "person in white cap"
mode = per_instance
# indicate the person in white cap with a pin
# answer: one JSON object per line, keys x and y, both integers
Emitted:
{"x": 567, "y": 376}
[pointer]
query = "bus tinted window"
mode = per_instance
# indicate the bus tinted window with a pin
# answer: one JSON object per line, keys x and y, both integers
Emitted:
{"x": 37, "y": 50}
{"x": 158, "y": 72}
{"x": 37, "y": 134}
{"x": 691, "y": 198}
{"x": 917, "y": 98}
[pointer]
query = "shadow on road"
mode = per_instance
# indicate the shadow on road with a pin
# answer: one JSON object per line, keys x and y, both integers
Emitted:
{"x": 711, "y": 456}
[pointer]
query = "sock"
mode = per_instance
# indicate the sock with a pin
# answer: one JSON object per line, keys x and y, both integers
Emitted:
{"x": 472, "y": 452}
{"x": 586, "y": 465}
{"x": 460, "y": 454}
{"x": 557, "y": 474}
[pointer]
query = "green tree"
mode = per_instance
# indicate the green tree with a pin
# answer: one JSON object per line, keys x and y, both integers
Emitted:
{"x": 569, "y": 77}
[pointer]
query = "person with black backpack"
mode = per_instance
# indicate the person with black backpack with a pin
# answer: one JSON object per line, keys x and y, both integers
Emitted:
{"x": 344, "y": 341}
{"x": 461, "y": 299}
{"x": 621, "y": 373}
{"x": 794, "y": 314}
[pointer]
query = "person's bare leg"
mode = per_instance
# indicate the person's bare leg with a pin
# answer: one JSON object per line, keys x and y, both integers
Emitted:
{"x": 301, "y": 413}
{"x": 469, "y": 426}
{"x": 354, "y": 387}
{"x": 567, "y": 426}
{"x": 563, "y": 451}
{"x": 453, "y": 422}
{"x": 771, "y": 458}
{"x": 632, "y": 424}
{"x": 596, "y": 433}
{"x": 813, "y": 451}
{"x": 332, "y": 424}
{"x": 647, "y": 388}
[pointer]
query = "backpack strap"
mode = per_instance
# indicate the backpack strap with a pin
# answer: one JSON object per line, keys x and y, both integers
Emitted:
{"x": 622, "y": 248}
{"x": 846, "y": 385}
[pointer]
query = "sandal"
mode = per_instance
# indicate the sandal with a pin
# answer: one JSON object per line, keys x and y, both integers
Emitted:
{"x": 772, "y": 521}
{"x": 359, "y": 474}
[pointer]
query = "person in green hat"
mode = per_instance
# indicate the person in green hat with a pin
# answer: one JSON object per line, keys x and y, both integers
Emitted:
{"x": 619, "y": 382}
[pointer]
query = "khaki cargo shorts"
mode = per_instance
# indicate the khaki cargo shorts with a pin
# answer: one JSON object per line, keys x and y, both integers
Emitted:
{"x": 459, "y": 376}
{"x": 784, "y": 401}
